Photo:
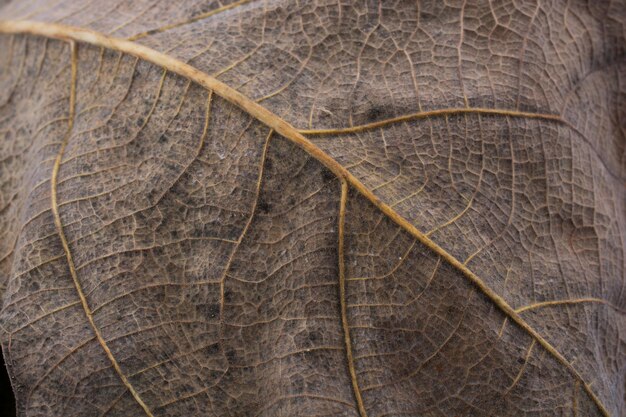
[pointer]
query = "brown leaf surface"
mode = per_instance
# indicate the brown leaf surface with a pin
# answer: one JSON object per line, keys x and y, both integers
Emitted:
{"x": 280, "y": 208}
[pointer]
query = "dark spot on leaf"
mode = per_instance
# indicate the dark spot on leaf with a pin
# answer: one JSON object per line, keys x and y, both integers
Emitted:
{"x": 374, "y": 114}
{"x": 328, "y": 176}
{"x": 231, "y": 355}
{"x": 212, "y": 349}
{"x": 314, "y": 337}
{"x": 298, "y": 384}
{"x": 264, "y": 206}
{"x": 453, "y": 310}
{"x": 197, "y": 232}
{"x": 425, "y": 16}
{"x": 212, "y": 310}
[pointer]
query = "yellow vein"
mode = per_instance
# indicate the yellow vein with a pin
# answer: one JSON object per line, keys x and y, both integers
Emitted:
{"x": 155, "y": 102}
{"x": 30, "y": 322}
{"x": 132, "y": 19}
{"x": 62, "y": 237}
{"x": 471, "y": 200}
{"x": 522, "y": 369}
{"x": 259, "y": 183}
{"x": 191, "y": 20}
{"x": 205, "y": 129}
{"x": 57, "y": 365}
{"x": 433, "y": 113}
{"x": 283, "y": 128}
{"x": 343, "y": 303}
{"x": 565, "y": 302}
{"x": 246, "y": 56}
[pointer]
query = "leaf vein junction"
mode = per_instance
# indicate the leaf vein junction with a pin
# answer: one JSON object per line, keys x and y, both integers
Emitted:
{"x": 280, "y": 126}
{"x": 62, "y": 237}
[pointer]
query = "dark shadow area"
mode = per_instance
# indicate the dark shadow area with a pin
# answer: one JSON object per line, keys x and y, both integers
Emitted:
{"x": 7, "y": 399}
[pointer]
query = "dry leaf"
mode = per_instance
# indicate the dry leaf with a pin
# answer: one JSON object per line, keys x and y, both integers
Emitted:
{"x": 329, "y": 208}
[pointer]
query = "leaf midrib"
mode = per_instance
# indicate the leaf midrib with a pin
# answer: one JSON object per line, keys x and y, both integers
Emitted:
{"x": 76, "y": 34}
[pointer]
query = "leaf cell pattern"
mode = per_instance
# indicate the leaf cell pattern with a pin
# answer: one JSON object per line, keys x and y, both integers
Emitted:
{"x": 321, "y": 208}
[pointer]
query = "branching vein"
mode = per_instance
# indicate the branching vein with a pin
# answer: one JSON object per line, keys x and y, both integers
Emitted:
{"x": 551, "y": 303}
{"x": 342, "y": 301}
{"x": 283, "y": 128}
{"x": 62, "y": 237}
{"x": 185, "y": 22}
{"x": 432, "y": 113}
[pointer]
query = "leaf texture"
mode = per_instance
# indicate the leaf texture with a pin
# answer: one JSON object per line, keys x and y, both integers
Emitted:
{"x": 267, "y": 208}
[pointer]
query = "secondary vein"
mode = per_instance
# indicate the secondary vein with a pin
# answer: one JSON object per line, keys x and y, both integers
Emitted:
{"x": 432, "y": 113}
{"x": 342, "y": 301}
{"x": 187, "y": 21}
{"x": 59, "y": 226}
{"x": 285, "y": 129}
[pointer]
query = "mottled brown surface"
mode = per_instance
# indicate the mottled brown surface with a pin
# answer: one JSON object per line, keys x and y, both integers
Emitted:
{"x": 223, "y": 267}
